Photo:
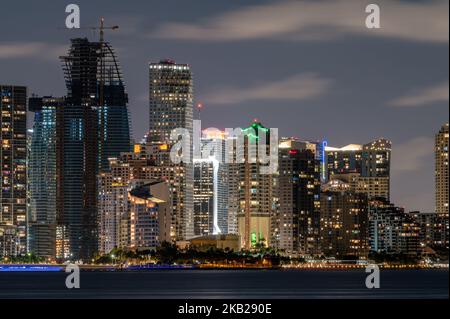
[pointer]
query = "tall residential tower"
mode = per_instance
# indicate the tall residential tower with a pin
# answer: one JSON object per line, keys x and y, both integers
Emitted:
{"x": 170, "y": 108}
{"x": 13, "y": 175}
{"x": 441, "y": 171}
{"x": 366, "y": 168}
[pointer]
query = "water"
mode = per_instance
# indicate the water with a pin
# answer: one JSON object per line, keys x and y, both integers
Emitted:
{"x": 222, "y": 284}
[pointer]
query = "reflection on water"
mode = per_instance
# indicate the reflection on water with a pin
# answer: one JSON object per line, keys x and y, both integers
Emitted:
{"x": 223, "y": 284}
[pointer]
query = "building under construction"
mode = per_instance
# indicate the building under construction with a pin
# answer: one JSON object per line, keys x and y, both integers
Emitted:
{"x": 92, "y": 126}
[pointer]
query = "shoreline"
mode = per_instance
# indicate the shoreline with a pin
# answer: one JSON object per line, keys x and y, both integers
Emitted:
{"x": 4, "y": 268}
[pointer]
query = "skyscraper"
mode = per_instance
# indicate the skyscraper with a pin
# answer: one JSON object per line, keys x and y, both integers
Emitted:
{"x": 119, "y": 208}
{"x": 211, "y": 186}
{"x": 365, "y": 167}
{"x": 13, "y": 173}
{"x": 373, "y": 187}
{"x": 298, "y": 216}
{"x": 256, "y": 190}
{"x": 441, "y": 170}
{"x": 112, "y": 204}
{"x": 391, "y": 230}
{"x": 150, "y": 208}
{"x": 170, "y": 108}
{"x": 93, "y": 127}
{"x": 171, "y": 99}
{"x": 343, "y": 220}
{"x": 433, "y": 229}
{"x": 42, "y": 176}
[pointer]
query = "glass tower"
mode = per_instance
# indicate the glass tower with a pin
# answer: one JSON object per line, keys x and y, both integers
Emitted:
{"x": 93, "y": 127}
{"x": 42, "y": 176}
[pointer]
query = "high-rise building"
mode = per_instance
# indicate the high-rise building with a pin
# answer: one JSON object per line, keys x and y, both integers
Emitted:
{"x": 128, "y": 171}
{"x": 298, "y": 217}
{"x": 365, "y": 167}
{"x": 343, "y": 220}
{"x": 13, "y": 173}
{"x": 112, "y": 204}
{"x": 441, "y": 171}
{"x": 373, "y": 187}
{"x": 92, "y": 127}
{"x": 391, "y": 230}
{"x": 256, "y": 189}
{"x": 347, "y": 159}
{"x": 434, "y": 229}
{"x": 205, "y": 209}
{"x": 171, "y": 108}
{"x": 42, "y": 176}
{"x": 211, "y": 186}
{"x": 171, "y": 99}
{"x": 149, "y": 214}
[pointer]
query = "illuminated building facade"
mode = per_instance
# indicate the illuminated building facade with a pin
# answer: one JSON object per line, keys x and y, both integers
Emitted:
{"x": 42, "y": 221}
{"x": 149, "y": 213}
{"x": 211, "y": 186}
{"x": 112, "y": 204}
{"x": 373, "y": 187}
{"x": 205, "y": 176}
{"x": 434, "y": 229}
{"x": 343, "y": 221}
{"x": 441, "y": 171}
{"x": 13, "y": 173}
{"x": 171, "y": 107}
{"x": 365, "y": 167}
{"x": 298, "y": 218}
{"x": 257, "y": 190}
{"x": 171, "y": 99}
{"x": 391, "y": 230}
{"x": 129, "y": 171}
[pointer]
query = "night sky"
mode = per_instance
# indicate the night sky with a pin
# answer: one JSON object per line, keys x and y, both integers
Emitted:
{"x": 310, "y": 68}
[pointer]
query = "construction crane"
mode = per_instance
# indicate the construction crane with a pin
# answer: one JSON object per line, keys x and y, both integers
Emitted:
{"x": 101, "y": 30}
{"x": 102, "y": 59}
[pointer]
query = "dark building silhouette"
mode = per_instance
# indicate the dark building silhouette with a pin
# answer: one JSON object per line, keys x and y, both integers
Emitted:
{"x": 92, "y": 127}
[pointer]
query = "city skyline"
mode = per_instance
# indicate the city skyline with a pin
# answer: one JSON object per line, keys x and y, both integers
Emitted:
{"x": 303, "y": 71}
{"x": 224, "y": 156}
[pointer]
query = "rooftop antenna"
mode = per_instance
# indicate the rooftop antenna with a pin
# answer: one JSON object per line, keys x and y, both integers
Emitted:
{"x": 199, "y": 110}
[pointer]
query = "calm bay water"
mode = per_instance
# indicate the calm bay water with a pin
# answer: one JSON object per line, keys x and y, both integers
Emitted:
{"x": 260, "y": 284}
